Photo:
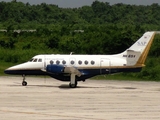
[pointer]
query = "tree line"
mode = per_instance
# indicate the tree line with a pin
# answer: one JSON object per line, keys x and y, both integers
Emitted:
{"x": 97, "y": 29}
{"x": 21, "y": 15}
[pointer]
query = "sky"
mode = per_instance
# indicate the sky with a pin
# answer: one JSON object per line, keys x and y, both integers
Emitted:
{"x": 80, "y": 3}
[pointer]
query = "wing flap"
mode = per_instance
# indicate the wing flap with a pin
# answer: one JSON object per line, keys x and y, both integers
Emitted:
{"x": 67, "y": 69}
{"x": 72, "y": 70}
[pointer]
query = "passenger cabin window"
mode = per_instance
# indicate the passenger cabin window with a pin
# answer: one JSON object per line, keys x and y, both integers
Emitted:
{"x": 51, "y": 62}
{"x": 92, "y": 62}
{"x": 79, "y": 62}
{"x": 86, "y": 62}
{"x": 72, "y": 62}
{"x": 63, "y": 62}
{"x": 57, "y": 62}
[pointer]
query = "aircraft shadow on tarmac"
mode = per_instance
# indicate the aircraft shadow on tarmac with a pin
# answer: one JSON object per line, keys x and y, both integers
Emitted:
{"x": 66, "y": 86}
{"x": 131, "y": 88}
{"x": 63, "y": 86}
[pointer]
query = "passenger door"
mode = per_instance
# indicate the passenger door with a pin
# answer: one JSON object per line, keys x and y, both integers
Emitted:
{"x": 104, "y": 66}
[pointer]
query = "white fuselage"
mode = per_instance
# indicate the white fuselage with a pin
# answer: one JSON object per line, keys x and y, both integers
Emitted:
{"x": 78, "y": 61}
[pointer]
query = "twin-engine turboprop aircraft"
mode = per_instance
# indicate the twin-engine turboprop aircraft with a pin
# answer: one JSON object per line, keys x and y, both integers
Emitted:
{"x": 76, "y": 68}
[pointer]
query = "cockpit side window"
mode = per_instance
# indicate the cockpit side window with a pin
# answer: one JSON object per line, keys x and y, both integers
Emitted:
{"x": 39, "y": 60}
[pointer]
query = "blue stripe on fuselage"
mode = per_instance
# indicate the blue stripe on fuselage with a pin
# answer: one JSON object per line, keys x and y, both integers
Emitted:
{"x": 25, "y": 72}
{"x": 86, "y": 73}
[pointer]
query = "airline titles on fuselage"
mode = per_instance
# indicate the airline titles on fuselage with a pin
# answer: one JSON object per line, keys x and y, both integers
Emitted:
{"x": 129, "y": 56}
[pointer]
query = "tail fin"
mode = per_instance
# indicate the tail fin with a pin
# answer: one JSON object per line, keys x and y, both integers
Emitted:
{"x": 142, "y": 47}
{"x": 137, "y": 53}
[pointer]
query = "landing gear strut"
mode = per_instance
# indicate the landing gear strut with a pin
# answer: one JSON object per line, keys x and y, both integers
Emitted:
{"x": 24, "y": 83}
{"x": 73, "y": 82}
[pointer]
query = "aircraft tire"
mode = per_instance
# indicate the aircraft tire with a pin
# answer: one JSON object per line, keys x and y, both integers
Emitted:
{"x": 24, "y": 83}
{"x": 73, "y": 85}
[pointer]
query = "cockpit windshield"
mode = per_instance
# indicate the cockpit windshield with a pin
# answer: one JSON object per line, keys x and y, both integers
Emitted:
{"x": 31, "y": 60}
{"x": 35, "y": 60}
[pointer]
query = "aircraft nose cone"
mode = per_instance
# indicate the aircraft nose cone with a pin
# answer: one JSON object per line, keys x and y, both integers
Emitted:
{"x": 10, "y": 71}
{"x": 7, "y": 71}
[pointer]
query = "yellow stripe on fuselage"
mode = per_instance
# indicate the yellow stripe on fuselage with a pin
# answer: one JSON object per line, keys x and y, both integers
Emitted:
{"x": 109, "y": 67}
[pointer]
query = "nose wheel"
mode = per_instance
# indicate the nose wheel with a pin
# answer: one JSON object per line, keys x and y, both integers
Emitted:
{"x": 24, "y": 83}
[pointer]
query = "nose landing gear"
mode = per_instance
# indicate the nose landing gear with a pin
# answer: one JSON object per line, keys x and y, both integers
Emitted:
{"x": 24, "y": 83}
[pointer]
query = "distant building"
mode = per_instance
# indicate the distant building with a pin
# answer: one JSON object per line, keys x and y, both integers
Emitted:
{"x": 3, "y": 30}
{"x": 19, "y": 31}
{"x": 79, "y": 31}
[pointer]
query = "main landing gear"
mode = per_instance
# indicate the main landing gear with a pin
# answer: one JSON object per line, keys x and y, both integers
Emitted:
{"x": 73, "y": 83}
{"x": 24, "y": 83}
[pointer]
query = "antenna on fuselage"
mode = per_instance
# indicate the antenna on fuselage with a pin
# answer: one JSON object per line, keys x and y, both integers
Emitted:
{"x": 71, "y": 53}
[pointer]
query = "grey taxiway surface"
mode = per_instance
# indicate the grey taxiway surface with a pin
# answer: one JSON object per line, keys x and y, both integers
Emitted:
{"x": 48, "y": 99}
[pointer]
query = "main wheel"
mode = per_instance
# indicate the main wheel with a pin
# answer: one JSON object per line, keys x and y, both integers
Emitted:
{"x": 73, "y": 85}
{"x": 24, "y": 83}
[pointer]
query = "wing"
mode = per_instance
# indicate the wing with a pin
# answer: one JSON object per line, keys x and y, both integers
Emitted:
{"x": 72, "y": 70}
{"x": 59, "y": 69}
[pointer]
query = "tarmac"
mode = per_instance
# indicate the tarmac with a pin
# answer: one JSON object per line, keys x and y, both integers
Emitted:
{"x": 48, "y": 99}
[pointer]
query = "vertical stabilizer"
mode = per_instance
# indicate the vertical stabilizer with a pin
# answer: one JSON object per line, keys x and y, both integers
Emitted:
{"x": 137, "y": 53}
{"x": 140, "y": 49}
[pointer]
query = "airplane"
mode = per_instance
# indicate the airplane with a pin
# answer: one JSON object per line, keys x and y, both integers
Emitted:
{"x": 75, "y": 68}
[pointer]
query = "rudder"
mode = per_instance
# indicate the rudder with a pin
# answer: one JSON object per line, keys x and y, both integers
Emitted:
{"x": 137, "y": 53}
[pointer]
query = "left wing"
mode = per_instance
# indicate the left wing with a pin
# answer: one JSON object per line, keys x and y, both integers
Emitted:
{"x": 57, "y": 69}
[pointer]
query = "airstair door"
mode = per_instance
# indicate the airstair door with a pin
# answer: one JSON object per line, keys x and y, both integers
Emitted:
{"x": 104, "y": 66}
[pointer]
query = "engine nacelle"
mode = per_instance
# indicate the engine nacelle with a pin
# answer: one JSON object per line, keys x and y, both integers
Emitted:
{"x": 55, "y": 68}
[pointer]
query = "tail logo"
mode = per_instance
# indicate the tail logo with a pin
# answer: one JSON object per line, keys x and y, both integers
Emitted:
{"x": 142, "y": 43}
